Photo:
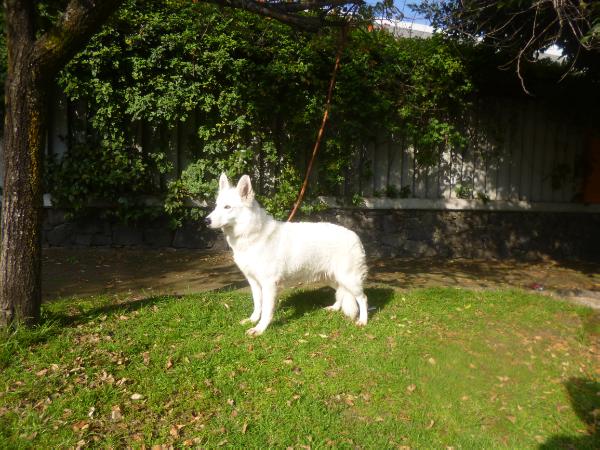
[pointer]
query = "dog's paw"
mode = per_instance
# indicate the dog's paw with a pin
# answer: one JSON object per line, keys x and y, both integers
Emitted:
{"x": 361, "y": 323}
{"x": 332, "y": 308}
{"x": 251, "y": 319}
{"x": 254, "y": 331}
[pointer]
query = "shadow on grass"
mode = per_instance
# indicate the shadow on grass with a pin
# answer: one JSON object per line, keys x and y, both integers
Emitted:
{"x": 304, "y": 302}
{"x": 65, "y": 319}
{"x": 585, "y": 400}
{"x": 53, "y": 323}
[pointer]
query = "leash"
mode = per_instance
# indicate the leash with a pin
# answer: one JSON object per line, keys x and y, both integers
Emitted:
{"x": 338, "y": 57}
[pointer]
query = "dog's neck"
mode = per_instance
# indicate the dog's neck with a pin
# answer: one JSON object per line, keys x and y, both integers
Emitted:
{"x": 257, "y": 223}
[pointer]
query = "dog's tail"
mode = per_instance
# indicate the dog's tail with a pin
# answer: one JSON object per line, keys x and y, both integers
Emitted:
{"x": 349, "y": 304}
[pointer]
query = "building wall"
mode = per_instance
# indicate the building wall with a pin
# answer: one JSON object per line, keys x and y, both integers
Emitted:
{"x": 518, "y": 150}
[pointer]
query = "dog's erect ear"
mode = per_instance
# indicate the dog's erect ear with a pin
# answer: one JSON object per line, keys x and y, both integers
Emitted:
{"x": 223, "y": 182}
{"x": 244, "y": 188}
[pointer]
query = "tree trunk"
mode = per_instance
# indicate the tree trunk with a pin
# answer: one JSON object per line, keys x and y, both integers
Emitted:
{"x": 20, "y": 246}
{"x": 32, "y": 65}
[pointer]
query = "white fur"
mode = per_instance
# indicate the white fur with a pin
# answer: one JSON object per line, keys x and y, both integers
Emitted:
{"x": 273, "y": 254}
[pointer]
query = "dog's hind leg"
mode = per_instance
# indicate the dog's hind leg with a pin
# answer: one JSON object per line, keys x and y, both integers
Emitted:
{"x": 257, "y": 299}
{"x": 269, "y": 292}
{"x": 363, "y": 308}
{"x": 339, "y": 296}
{"x": 355, "y": 302}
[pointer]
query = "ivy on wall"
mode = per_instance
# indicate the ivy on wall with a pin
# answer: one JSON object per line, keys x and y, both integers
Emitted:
{"x": 254, "y": 91}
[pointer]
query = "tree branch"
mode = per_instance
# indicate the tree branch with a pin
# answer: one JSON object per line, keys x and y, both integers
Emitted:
{"x": 288, "y": 12}
{"x": 82, "y": 18}
{"x": 305, "y": 5}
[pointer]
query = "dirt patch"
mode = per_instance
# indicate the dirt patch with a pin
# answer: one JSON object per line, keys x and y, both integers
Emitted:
{"x": 81, "y": 272}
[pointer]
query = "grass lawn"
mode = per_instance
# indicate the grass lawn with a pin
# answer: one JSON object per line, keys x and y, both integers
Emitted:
{"x": 434, "y": 368}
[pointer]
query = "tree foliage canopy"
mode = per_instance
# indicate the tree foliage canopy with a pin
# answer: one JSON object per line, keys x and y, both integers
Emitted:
{"x": 523, "y": 28}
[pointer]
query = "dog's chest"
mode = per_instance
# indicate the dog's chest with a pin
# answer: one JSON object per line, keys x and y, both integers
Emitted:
{"x": 250, "y": 262}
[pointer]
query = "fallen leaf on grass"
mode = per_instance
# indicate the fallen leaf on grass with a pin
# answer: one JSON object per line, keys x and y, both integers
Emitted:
{"x": 82, "y": 425}
{"x": 294, "y": 397}
{"x": 146, "y": 356}
{"x": 169, "y": 363}
{"x": 349, "y": 399}
{"x": 136, "y": 396}
{"x": 29, "y": 437}
{"x": 411, "y": 388}
{"x": 430, "y": 426}
{"x": 115, "y": 413}
{"x": 512, "y": 419}
{"x": 431, "y": 361}
{"x": 42, "y": 372}
{"x": 244, "y": 427}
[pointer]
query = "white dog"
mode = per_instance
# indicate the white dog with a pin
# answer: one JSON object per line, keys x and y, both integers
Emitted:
{"x": 272, "y": 254}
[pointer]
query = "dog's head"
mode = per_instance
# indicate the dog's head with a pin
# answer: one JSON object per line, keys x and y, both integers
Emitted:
{"x": 231, "y": 202}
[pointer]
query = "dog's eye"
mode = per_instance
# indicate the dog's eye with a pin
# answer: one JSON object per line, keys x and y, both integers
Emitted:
{"x": 227, "y": 207}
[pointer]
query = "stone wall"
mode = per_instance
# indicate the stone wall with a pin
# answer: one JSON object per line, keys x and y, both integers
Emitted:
{"x": 401, "y": 233}
{"x": 474, "y": 234}
{"x": 94, "y": 232}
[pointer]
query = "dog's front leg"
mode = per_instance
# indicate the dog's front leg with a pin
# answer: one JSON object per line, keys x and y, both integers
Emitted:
{"x": 257, "y": 298}
{"x": 269, "y": 292}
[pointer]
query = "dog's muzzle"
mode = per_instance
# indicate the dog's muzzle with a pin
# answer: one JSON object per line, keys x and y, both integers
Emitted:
{"x": 207, "y": 221}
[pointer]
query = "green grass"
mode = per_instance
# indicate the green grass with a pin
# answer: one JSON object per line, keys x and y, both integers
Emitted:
{"x": 434, "y": 368}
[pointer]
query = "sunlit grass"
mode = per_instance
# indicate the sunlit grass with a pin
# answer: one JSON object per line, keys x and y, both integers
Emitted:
{"x": 434, "y": 368}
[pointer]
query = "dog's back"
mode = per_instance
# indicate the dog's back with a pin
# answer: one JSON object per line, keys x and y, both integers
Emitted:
{"x": 307, "y": 251}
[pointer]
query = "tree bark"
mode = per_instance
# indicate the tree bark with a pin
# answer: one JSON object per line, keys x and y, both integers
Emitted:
{"x": 20, "y": 251}
{"x": 32, "y": 65}
{"x": 20, "y": 243}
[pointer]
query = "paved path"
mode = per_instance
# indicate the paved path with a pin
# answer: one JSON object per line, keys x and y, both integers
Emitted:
{"x": 81, "y": 272}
